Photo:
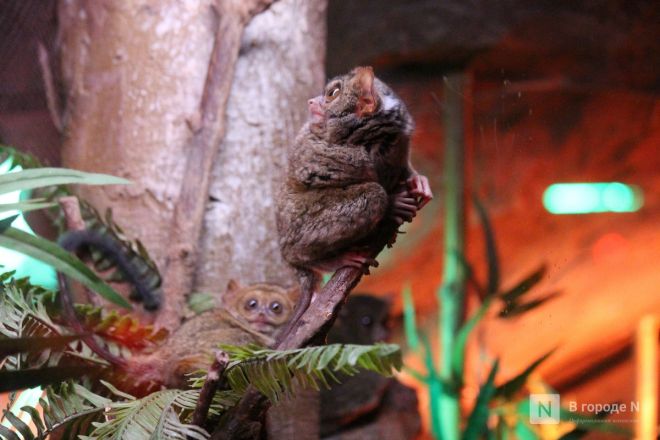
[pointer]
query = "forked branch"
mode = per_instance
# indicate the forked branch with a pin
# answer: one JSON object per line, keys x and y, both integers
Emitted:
{"x": 201, "y": 151}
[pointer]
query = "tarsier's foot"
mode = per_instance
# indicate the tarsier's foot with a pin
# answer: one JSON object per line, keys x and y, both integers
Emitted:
{"x": 420, "y": 188}
{"x": 356, "y": 259}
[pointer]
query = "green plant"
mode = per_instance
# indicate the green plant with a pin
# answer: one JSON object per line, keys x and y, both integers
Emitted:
{"x": 38, "y": 348}
{"x": 492, "y": 399}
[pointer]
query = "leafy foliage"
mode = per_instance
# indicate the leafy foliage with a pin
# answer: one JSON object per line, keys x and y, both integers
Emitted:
{"x": 273, "y": 372}
{"x": 18, "y": 158}
{"x": 476, "y": 424}
{"x": 63, "y": 261}
{"x": 53, "y": 183}
{"x": 125, "y": 329}
{"x": 492, "y": 399}
{"x": 201, "y": 302}
{"x": 23, "y": 314}
{"x": 69, "y": 407}
{"x": 42, "y": 177}
{"x": 36, "y": 344}
{"x": 157, "y": 415}
{"x": 76, "y": 412}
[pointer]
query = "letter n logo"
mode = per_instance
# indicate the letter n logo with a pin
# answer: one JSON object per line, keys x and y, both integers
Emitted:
{"x": 544, "y": 409}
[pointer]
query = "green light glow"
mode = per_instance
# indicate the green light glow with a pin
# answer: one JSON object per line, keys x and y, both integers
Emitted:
{"x": 38, "y": 272}
{"x": 585, "y": 198}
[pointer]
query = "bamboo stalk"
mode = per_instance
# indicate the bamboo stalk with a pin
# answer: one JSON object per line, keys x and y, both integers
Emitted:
{"x": 646, "y": 347}
{"x": 451, "y": 293}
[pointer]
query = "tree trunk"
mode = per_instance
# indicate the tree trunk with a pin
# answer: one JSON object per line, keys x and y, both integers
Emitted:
{"x": 279, "y": 69}
{"x": 134, "y": 74}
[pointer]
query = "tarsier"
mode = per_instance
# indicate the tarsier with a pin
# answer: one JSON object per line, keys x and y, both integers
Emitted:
{"x": 366, "y": 405}
{"x": 350, "y": 183}
{"x": 251, "y": 314}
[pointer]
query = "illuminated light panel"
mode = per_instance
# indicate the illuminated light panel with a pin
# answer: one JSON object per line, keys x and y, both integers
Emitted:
{"x": 587, "y": 198}
{"x": 39, "y": 273}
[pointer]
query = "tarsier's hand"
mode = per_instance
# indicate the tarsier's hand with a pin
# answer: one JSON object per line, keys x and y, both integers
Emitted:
{"x": 420, "y": 188}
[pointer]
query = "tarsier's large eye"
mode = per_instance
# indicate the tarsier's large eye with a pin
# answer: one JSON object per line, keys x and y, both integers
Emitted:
{"x": 275, "y": 307}
{"x": 251, "y": 304}
{"x": 332, "y": 92}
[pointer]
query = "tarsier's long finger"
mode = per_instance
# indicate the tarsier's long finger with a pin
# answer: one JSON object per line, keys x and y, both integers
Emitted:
{"x": 405, "y": 207}
{"x": 406, "y": 201}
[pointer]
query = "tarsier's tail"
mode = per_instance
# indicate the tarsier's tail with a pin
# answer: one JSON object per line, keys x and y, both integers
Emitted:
{"x": 74, "y": 241}
{"x": 309, "y": 280}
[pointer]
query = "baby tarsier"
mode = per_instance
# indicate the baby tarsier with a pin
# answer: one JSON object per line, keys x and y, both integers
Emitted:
{"x": 251, "y": 314}
{"x": 350, "y": 184}
{"x": 255, "y": 313}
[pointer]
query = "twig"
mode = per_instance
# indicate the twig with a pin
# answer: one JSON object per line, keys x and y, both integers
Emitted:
{"x": 52, "y": 100}
{"x": 71, "y": 208}
{"x": 201, "y": 151}
{"x": 209, "y": 388}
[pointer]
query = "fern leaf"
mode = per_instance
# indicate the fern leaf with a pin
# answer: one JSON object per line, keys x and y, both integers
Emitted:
{"x": 275, "y": 373}
{"x": 156, "y": 416}
{"x": 69, "y": 407}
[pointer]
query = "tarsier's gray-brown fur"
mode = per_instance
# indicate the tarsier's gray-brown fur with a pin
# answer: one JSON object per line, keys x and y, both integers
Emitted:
{"x": 346, "y": 185}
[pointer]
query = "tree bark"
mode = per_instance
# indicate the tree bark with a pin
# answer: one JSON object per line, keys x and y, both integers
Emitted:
{"x": 280, "y": 67}
{"x": 135, "y": 75}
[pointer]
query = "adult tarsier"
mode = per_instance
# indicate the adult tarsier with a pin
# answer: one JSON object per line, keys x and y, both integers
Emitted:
{"x": 251, "y": 314}
{"x": 350, "y": 184}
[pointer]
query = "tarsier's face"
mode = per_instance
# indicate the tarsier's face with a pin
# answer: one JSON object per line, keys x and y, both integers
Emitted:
{"x": 363, "y": 320}
{"x": 264, "y": 307}
{"x": 357, "y": 94}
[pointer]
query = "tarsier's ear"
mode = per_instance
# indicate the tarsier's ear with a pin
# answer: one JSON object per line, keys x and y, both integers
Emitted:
{"x": 364, "y": 82}
{"x": 232, "y": 287}
{"x": 294, "y": 294}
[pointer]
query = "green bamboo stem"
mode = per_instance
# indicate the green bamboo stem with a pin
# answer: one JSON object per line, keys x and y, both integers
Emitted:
{"x": 451, "y": 293}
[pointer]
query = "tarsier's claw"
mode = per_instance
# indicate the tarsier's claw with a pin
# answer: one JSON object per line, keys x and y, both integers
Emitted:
{"x": 358, "y": 261}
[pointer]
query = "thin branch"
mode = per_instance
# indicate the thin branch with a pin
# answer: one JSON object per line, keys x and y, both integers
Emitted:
{"x": 209, "y": 388}
{"x": 201, "y": 151}
{"x": 71, "y": 208}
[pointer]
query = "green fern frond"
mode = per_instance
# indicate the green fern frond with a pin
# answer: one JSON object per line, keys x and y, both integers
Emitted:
{"x": 76, "y": 412}
{"x": 93, "y": 220}
{"x": 23, "y": 314}
{"x": 274, "y": 373}
{"x": 69, "y": 408}
{"x": 17, "y": 158}
{"x": 156, "y": 416}
{"x": 25, "y": 311}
